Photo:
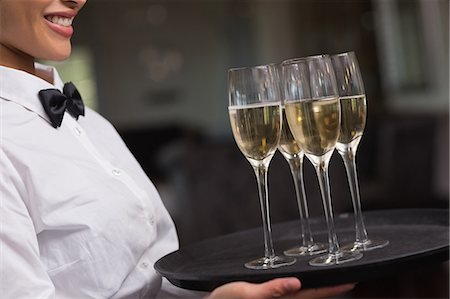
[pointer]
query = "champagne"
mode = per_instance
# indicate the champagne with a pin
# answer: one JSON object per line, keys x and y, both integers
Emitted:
{"x": 287, "y": 145}
{"x": 256, "y": 129}
{"x": 315, "y": 124}
{"x": 353, "y": 118}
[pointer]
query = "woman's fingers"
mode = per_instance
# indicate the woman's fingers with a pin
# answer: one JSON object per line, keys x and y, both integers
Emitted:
{"x": 288, "y": 288}
{"x": 276, "y": 288}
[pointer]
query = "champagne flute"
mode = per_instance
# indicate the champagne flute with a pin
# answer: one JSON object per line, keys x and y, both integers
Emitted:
{"x": 255, "y": 115}
{"x": 293, "y": 154}
{"x": 313, "y": 113}
{"x": 353, "y": 121}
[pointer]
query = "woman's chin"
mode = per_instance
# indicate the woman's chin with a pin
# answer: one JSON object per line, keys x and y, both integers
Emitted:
{"x": 59, "y": 54}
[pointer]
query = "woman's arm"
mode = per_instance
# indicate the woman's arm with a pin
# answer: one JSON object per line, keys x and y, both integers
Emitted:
{"x": 22, "y": 274}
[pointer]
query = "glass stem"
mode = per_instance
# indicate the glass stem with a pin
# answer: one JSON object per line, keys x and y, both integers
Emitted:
{"x": 296, "y": 166}
{"x": 350, "y": 166}
{"x": 261, "y": 177}
{"x": 322, "y": 174}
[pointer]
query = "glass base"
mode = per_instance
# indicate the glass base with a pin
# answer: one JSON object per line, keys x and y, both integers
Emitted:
{"x": 270, "y": 263}
{"x": 313, "y": 249}
{"x": 336, "y": 259}
{"x": 366, "y": 245}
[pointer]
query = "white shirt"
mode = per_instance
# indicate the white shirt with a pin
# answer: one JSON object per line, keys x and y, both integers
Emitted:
{"x": 78, "y": 216}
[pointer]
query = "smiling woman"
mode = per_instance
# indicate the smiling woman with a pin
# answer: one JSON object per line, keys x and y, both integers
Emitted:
{"x": 79, "y": 217}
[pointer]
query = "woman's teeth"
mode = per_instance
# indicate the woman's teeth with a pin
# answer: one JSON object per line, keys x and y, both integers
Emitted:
{"x": 66, "y": 22}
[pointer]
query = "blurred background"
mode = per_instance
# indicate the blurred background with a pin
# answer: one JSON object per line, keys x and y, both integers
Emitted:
{"x": 158, "y": 71}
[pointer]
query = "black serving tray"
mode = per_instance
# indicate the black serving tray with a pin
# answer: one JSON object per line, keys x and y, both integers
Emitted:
{"x": 417, "y": 238}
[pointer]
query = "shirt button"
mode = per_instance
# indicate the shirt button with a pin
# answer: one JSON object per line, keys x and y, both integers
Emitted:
{"x": 144, "y": 265}
{"x": 77, "y": 131}
{"x": 116, "y": 172}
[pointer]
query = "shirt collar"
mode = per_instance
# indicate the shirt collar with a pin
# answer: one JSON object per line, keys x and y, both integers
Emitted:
{"x": 22, "y": 88}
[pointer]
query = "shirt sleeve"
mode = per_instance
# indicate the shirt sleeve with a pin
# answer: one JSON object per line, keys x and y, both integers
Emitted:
{"x": 22, "y": 274}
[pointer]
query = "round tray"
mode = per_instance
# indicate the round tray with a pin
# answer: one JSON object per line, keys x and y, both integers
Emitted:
{"x": 416, "y": 237}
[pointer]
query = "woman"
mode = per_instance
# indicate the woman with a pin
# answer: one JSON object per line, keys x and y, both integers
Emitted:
{"x": 79, "y": 218}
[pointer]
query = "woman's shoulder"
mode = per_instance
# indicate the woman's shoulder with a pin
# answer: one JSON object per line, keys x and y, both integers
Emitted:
{"x": 95, "y": 119}
{"x": 98, "y": 124}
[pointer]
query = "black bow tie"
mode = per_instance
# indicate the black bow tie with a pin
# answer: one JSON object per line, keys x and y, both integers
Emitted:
{"x": 56, "y": 102}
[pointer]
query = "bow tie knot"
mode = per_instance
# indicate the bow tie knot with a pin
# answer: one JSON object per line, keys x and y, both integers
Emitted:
{"x": 55, "y": 103}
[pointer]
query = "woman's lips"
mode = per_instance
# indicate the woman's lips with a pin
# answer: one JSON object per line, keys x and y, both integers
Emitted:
{"x": 61, "y": 24}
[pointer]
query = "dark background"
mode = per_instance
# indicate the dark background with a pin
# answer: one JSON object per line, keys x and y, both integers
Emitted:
{"x": 158, "y": 71}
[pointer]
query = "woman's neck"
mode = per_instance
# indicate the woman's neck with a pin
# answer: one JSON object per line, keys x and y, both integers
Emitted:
{"x": 22, "y": 61}
{"x": 17, "y": 60}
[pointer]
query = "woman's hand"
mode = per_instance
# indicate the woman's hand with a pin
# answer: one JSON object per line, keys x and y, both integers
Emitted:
{"x": 276, "y": 288}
